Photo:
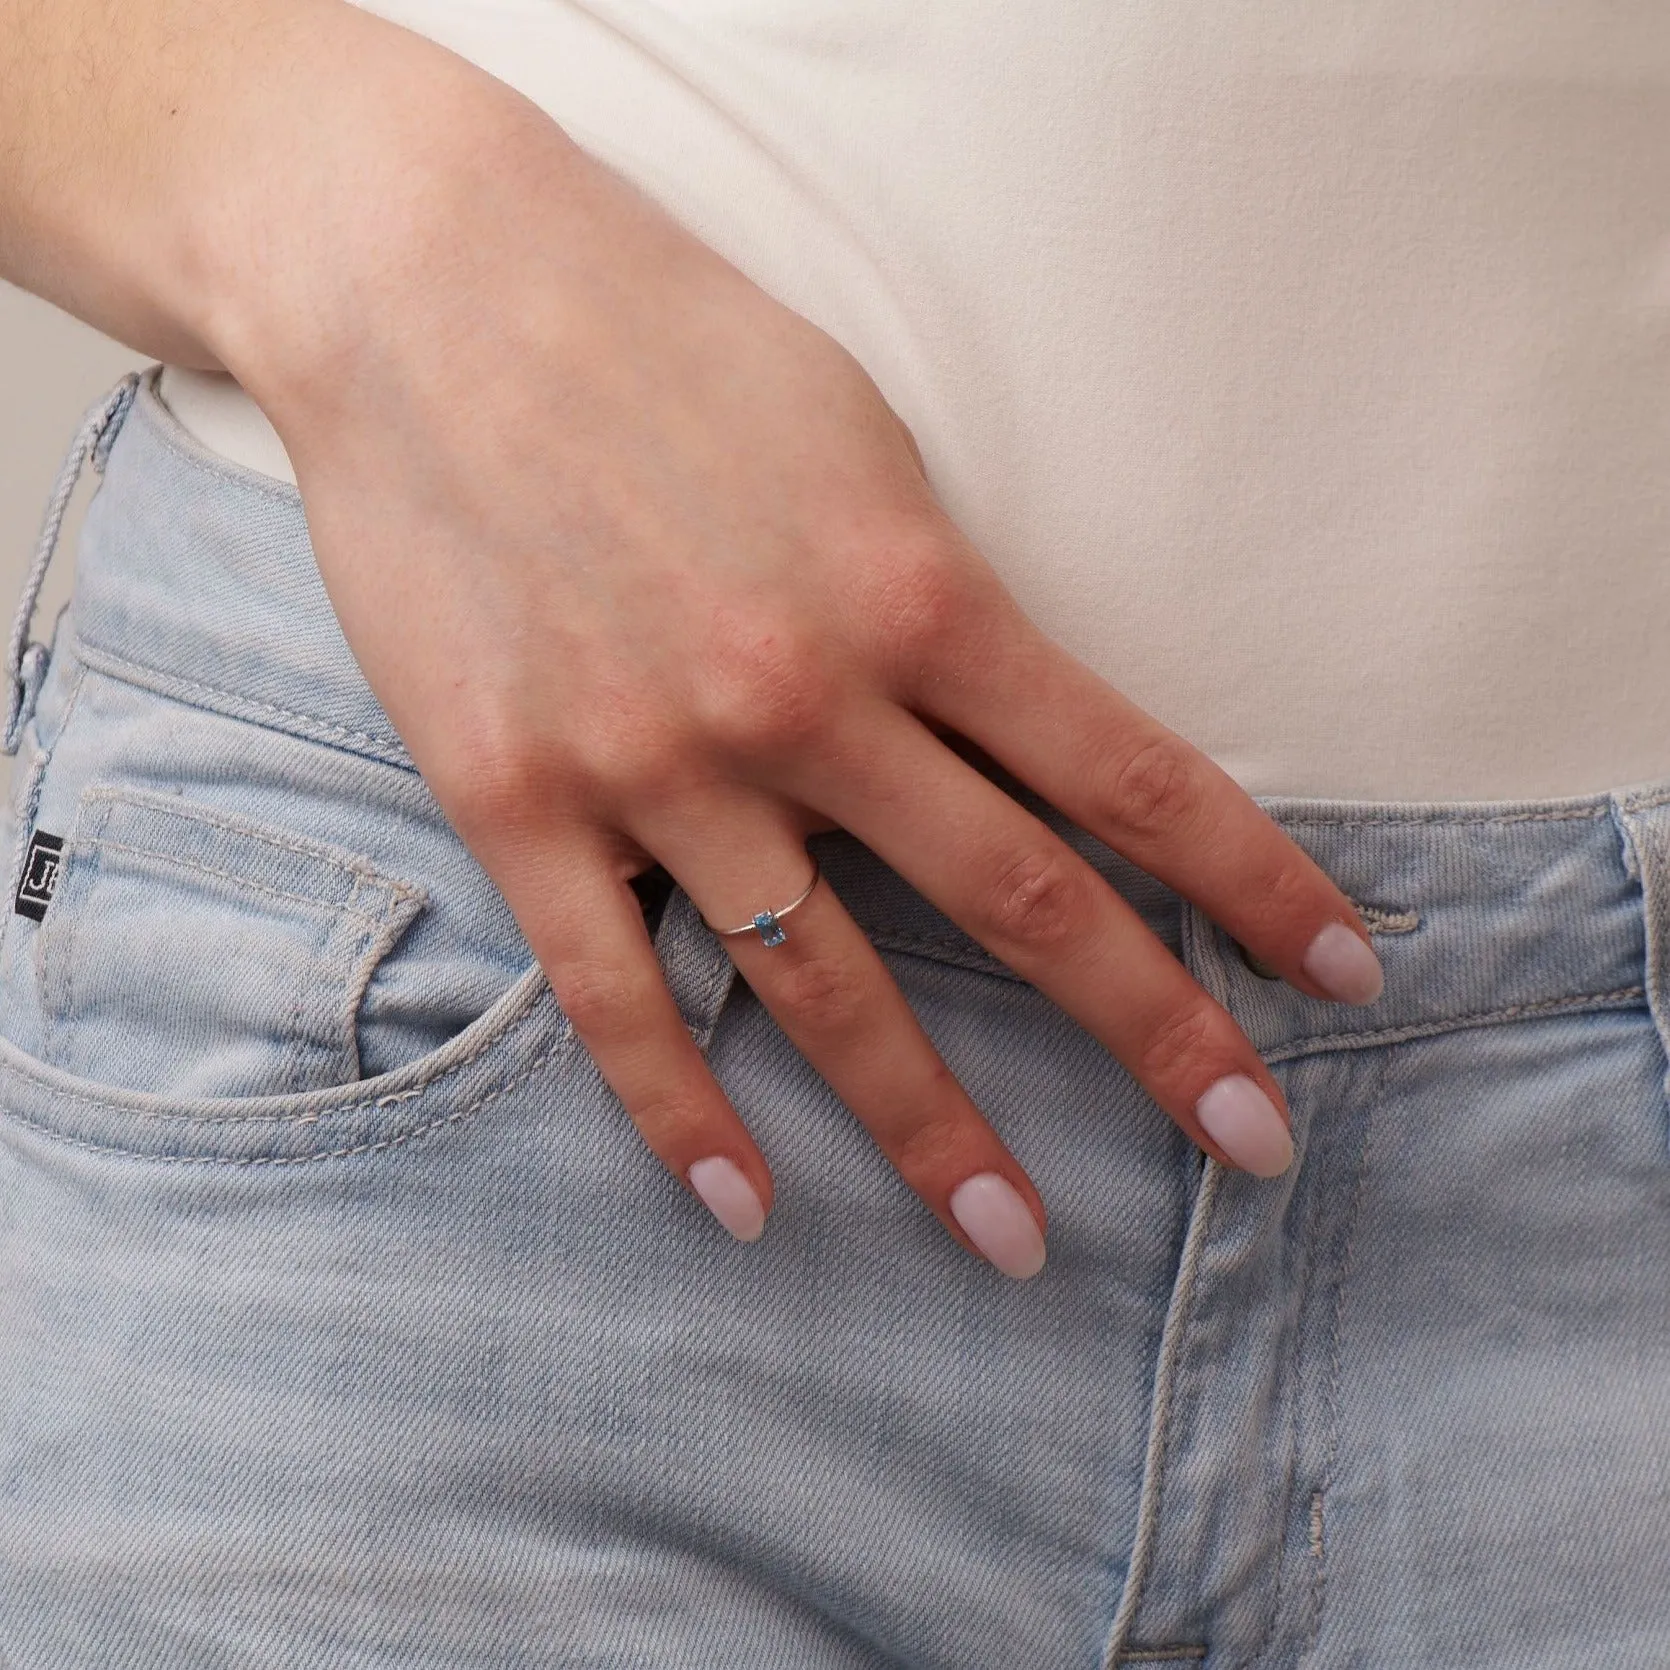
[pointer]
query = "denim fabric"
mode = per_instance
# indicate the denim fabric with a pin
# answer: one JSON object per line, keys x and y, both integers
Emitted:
{"x": 345, "y": 1321}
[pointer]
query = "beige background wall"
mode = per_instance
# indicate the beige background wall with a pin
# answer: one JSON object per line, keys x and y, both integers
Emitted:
{"x": 54, "y": 368}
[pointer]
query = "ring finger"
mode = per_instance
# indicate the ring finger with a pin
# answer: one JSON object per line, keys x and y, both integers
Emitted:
{"x": 828, "y": 989}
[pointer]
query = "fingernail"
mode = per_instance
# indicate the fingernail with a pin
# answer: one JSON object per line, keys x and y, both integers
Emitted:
{"x": 1343, "y": 966}
{"x": 1243, "y": 1121}
{"x": 729, "y": 1196}
{"x": 995, "y": 1218}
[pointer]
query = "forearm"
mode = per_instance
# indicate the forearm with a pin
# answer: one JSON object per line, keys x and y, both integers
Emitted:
{"x": 208, "y": 180}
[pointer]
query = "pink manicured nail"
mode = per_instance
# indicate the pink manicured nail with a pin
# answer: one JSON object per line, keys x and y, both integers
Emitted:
{"x": 999, "y": 1223}
{"x": 1243, "y": 1121}
{"x": 1343, "y": 966}
{"x": 729, "y": 1196}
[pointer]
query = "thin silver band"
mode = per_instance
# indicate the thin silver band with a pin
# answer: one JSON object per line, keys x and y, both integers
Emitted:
{"x": 765, "y": 923}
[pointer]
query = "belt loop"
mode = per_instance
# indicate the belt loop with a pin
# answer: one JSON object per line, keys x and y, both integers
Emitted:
{"x": 1645, "y": 819}
{"x": 698, "y": 970}
{"x": 26, "y": 662}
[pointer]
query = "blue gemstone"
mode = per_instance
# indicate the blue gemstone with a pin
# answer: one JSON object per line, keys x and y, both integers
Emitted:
{"x": 771, "y": 930}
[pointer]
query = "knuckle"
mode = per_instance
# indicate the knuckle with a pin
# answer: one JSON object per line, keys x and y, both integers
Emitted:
{"x": 1279, "y": 896}
{"x": 1158, "y": 788}
{"x": 931, "y": 1148}
{"x": 822, "y": 995}
{"x": 1175, "y": 1043}
{"x": 765, "y": 692}
{"x": 523, "y": 765}
{"x": 1039, "y": 901}
{"x": 502, "y": 780}
{"x": 603, "y": 1001}
{"x": 921, "y": 601}
{"x": 1282, "y": 894}
{"x": 1289, "y": 885}
{"x": 671, "y": 1121}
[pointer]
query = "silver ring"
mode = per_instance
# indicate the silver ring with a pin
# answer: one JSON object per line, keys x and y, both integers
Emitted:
{"x": 768, "y": 924}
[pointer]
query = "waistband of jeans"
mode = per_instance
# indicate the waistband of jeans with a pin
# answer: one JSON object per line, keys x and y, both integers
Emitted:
{"x": 196, "y": 579}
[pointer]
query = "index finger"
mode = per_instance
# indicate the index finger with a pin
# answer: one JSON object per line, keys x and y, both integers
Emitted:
{"x": 1148, "y": 793}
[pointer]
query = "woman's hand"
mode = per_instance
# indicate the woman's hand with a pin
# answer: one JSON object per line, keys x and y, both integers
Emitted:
{"x": 643, "y": 568}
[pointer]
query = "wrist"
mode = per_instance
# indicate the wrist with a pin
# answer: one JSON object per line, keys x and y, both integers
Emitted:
{"x": 346, "y": 191}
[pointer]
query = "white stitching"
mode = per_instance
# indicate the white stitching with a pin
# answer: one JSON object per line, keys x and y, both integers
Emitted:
{"x": 1370, "y": 818}
{"x": 242, "y": 881}
{"x": 1450, "y": 1023}
{"x": 168, "y": 807}
{"x": 161, "y": 423}
{"x": 1157, "y": 1453}
{"x": 298, "y": 1159}
{"x": 442, "y": 1071}
{"x": 389, "y": 750}
{"x": 1379, "y": 921}
{"x": 1336, "y": 1358}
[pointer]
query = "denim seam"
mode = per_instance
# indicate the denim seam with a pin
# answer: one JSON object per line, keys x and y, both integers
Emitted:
{"x": 1293, "y": 819}
{"x": 1647, "y": 850}
{"x": 398, "y": 891}
{"x": 336, "y": 977}
{"x": 1646, "y": 801}
{"x": 1450, "y": 1023}
{"x": 254, "y": 481}
{"x": 114, "y": 665}
{"x": 27, "y": 662}
{"x": 378, "y": 939}
{"x": 1158, "y": 1449}
{"x": 1336, "y": 1359}
{"x": 1302, "y": 1337}
{"x": 338, "y": 859}
{"x": 297, "y": 1159}
{"x": 379, "y": 928}
{"x": 101, "y": 1104}
{"x": 293, "y": 1078}
{"x": 377, "y": 931}
{"x": 78, "y": 682}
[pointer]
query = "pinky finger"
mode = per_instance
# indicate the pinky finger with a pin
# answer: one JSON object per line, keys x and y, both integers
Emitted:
{"x": 603, "y": 971}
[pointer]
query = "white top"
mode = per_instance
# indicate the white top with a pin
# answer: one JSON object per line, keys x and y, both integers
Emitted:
{"x": 1302, "y": 365}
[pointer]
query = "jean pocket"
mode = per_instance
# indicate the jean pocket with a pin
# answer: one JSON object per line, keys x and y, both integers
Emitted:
{"x": 189, "y": 952}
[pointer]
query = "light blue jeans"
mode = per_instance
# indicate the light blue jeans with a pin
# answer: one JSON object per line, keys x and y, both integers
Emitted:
{"x": 345, "y": 1321}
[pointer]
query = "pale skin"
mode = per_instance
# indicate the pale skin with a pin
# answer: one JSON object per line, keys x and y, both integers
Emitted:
{"x": 677, "y": 591}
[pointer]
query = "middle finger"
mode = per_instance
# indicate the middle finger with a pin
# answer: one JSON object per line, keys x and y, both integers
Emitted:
{"x": 1015, "y": 886}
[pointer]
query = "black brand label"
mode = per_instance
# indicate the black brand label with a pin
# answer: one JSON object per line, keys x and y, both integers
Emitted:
{"x": 40, "y": 875}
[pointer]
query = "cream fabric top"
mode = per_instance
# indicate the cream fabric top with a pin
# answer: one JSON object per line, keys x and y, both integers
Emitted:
{"x": 1302, "y": 365}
